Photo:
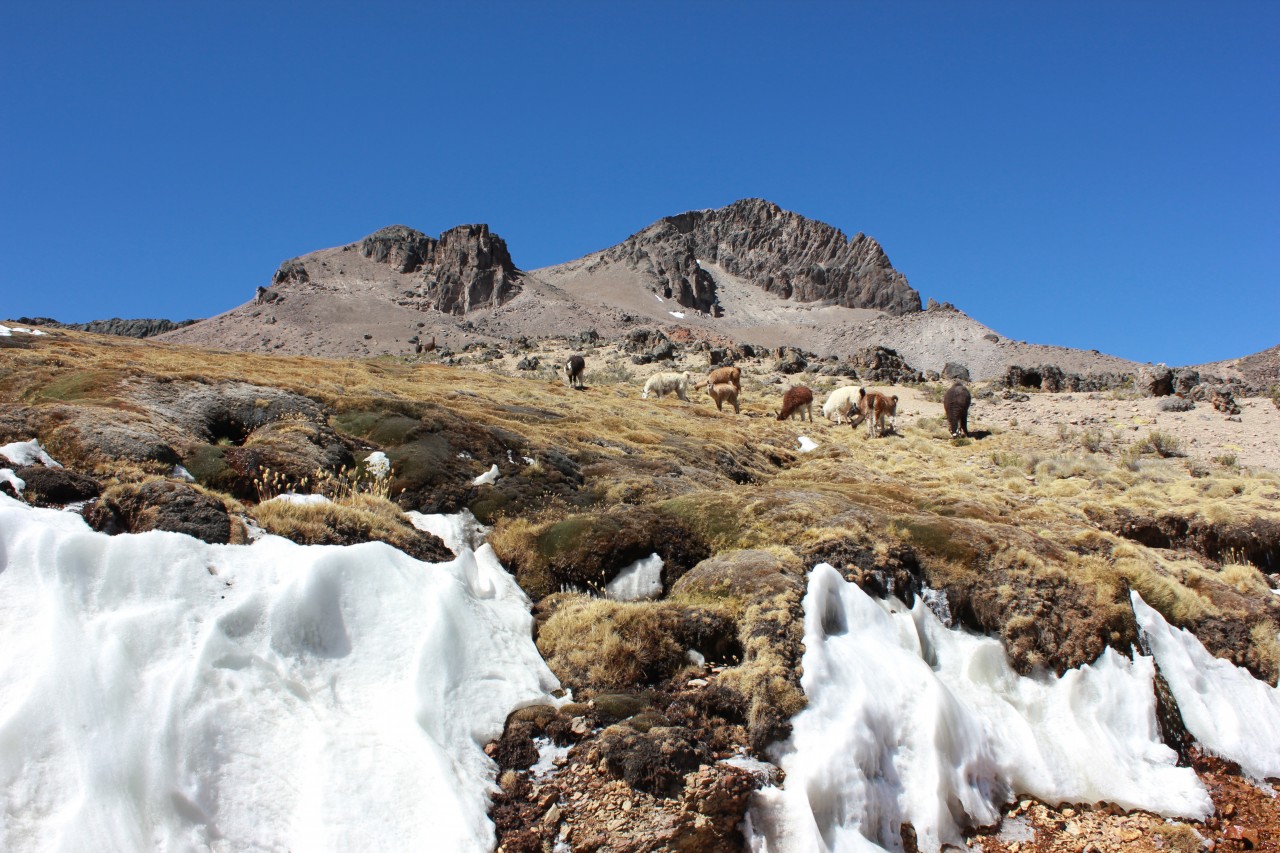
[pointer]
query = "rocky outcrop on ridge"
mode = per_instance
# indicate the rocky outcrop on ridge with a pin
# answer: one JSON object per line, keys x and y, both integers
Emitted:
{"x": 143, "y": 328}
{"x": 469, "y": 267}
{"x": 781, "y": 252}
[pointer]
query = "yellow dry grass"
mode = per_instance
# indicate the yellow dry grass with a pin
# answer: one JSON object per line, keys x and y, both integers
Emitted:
{"x": 961, "y": 505}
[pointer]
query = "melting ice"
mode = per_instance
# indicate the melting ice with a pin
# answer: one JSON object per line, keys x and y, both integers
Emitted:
{"x": 910, "y": 722}
{"x": 157, "y": 692}
{"x": 1228, "y": 711}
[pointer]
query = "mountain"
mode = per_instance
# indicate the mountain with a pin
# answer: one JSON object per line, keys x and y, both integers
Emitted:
{"x": 731, "y": 271}
{"x": 758, "y": 243}
{"x": 749, "y": 273}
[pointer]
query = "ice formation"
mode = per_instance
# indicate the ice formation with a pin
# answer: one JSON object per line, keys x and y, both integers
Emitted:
{"x": 911, "y": 722}
{"x": 157, "y": 692}
{"x": 642, "y": 579}
{"x": 1228, "y": 711}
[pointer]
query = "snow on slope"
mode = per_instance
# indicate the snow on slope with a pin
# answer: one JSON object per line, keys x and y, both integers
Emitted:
{"x": 909, "y": 721}
{"x": 157, "y": 692}
{"x": 1228, "y": 711}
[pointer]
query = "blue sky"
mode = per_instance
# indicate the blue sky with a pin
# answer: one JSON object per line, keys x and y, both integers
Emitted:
{"x": 1097, "y": 175}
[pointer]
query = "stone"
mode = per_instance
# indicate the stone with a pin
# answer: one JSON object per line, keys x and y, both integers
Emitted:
{"x": 291, "y": 272}
{"x": 161, "y": 505}
{"x": 48, "y": 486}
{"x": 791, "y": 364}
{"x": 952, "y": 370}
{"x": 1160, "y": 383}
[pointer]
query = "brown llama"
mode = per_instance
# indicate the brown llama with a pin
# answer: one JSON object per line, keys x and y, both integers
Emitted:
{"x": 797, "y": 399}
{"x": 724, "y": 392}
{"x": 956, "y": 404}
{"x": 574, "y": 367}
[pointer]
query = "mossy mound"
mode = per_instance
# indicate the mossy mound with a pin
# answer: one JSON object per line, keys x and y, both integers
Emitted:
{"x": 585, "y": 551}
{"x": 597, "y": 645}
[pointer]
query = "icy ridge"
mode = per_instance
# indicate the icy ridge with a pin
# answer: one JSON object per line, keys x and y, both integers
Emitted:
{"x": 158, "y": 692}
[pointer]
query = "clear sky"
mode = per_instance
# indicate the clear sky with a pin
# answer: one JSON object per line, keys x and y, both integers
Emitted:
{"x": 1093, "y": 174}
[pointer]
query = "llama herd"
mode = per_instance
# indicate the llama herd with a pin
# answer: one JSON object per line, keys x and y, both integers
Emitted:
{"x": 851, "y": 404}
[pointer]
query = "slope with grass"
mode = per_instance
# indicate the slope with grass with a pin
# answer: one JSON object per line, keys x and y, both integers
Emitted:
{"x": 1027, "y": 538}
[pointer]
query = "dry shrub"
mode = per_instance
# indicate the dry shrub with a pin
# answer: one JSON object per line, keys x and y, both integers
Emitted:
{"x": 1244, "y": 578}
{"x": 347, "y": 520}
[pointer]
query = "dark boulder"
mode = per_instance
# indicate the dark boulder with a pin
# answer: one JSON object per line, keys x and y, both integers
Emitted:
{"x": 291, "y": 272}
{"x": 161, "y": 505}
{"x": 51, "y": 486}
{"x": 1160, "y": 383}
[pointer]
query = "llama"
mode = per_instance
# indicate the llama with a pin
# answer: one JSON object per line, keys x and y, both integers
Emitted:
{"x": 723, "y": 392}
{"x": 956, "y": 404}
{"x": 874, "y": 408}
{"x": 841, "y": 402}
{"x": 797, "y": 399}
{"x": 721, "y": 375}
{"x": 573, "y": 369}
{"x": 667, "y": 383}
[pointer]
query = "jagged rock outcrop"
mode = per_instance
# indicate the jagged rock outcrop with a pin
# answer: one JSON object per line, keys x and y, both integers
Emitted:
{"x": 468, "y": 267}
{"x": 141, "y": 328}
{"x": 782, "y": 252}
{"x": 399, "y": 247}
{"x": 291, "y": 272}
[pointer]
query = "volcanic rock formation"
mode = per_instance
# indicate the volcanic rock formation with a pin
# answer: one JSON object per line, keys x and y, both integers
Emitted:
{"x": 467, "y": 268}
{"x": 781, "y": 252}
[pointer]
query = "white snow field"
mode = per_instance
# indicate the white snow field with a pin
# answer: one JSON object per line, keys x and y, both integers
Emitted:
{"x": 1228, "y": 711}
{"x": 160, "y": 693}
{"x": 911, "y": 722}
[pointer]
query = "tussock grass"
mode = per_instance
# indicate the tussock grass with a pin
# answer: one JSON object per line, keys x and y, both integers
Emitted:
{"x": 963, "y": 508}
{"x": 349, "y": 518}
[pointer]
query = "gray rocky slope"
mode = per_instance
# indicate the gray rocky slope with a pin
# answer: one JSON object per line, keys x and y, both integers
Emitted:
{"x": 746, "y": 273}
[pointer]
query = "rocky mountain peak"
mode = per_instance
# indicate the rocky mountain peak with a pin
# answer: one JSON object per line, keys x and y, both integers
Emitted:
{"x": 468, "y": 267}
{"x": 782, "y": 252}
{"x": 400, "y": 247}
{"x": 471, "y": 267}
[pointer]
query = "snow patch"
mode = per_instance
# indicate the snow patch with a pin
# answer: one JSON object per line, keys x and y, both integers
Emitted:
{"x": 7, "y": 331}
{"x": 807, "y": 444}
{"x": 377, "y": 464}
{"x": 300, "y": 500}
{"x": 487, "y": 477}
{"x": 458, "y": 532}
{"x": 158, "y": 692}
{"x": 911, "y": 722}
{"x": 1226, "y": 709}
{"x": 640, "y": 580}
{"x": 550, "y": 758}
{"x": 679, "y": 315}
{"x": 7, "y": 476}
{"x": 28, "y": 453}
